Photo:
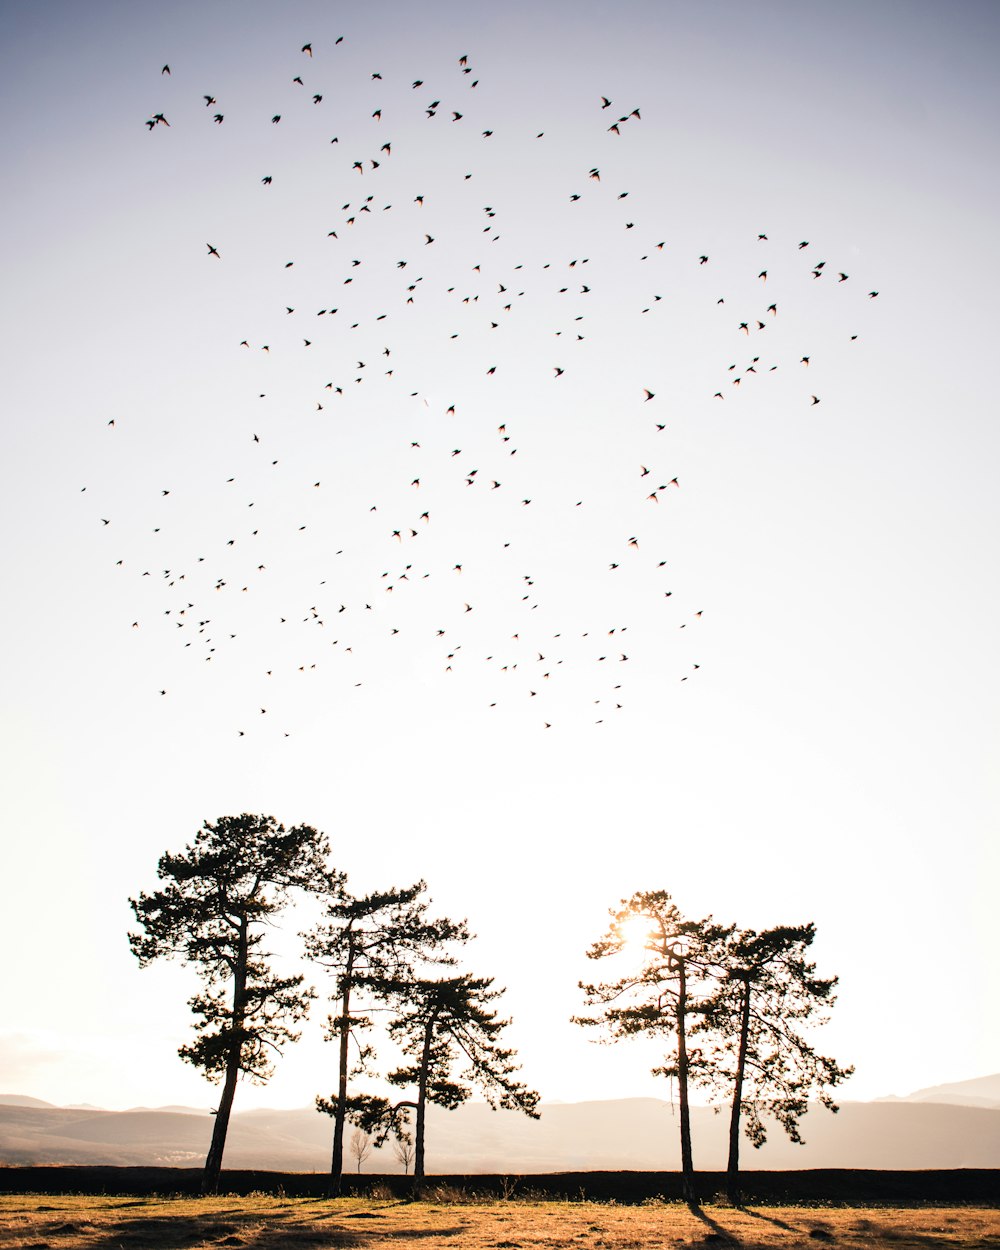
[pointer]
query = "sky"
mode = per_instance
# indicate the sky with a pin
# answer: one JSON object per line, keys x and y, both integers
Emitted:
{"x": 807, "y": 726}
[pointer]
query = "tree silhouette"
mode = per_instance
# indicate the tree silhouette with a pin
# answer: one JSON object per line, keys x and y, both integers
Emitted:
{"x": 402, "y": 1148}
{"x": 760, "y": 1057}
{"x": 673, "y": 981}
{"x": 371, "y": 944}
{"x": 361, "y": 1146}
{"x": 217, "y": 895}
{"x": 446, "y": 1024}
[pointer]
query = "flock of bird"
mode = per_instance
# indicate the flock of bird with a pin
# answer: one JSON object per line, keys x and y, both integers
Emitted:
{"x": 437, "y": 512}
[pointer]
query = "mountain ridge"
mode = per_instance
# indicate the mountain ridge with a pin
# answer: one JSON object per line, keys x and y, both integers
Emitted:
{"x": 980, "y": 1091}
{"x": 631, "y": 1134}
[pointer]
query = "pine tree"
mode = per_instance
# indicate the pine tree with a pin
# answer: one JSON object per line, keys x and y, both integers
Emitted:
{"x": 217, "y": 896}
{"x": 372, "y": 946}
{"x": 760, "y": 1058}
{"x": 674, "y": 981}
{"x": 447, "y": 1024}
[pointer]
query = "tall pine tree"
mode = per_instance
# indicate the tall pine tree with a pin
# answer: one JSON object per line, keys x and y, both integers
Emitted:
{"x": 451, "y": 1035}
{"x": 372, "y": 945}
{"x": 217, "y": 896}
{"x": 760, "y": 1057}
{"x": 661, "y": 994}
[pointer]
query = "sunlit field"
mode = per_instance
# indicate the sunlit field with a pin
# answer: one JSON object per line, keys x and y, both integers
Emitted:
{"x": 447, "y": 1218}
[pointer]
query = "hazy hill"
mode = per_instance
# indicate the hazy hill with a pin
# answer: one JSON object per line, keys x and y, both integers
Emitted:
{"x": 639, "y": 1133}
{"x": 982, "y": 1091}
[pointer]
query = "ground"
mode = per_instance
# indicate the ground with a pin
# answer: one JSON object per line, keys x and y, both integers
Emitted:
{"x": 109, "y": 1223}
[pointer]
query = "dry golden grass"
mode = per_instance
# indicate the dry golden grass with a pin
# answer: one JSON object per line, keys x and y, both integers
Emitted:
{"x": 94, "y": 1223}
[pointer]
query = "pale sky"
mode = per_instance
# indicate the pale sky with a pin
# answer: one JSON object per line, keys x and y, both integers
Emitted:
{"x": 832, "y": 758}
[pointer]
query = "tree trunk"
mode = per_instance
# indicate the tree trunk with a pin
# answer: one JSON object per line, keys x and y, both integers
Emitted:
{"x": 687, "y": 1158}
{"x": 733, "y": 1167}
{"x": 213, "y": 1164}
{"x": 340, "y": 1116}
{"x": 425, "y": 1062}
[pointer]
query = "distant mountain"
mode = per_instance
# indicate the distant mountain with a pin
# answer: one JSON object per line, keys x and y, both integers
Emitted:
{"x": 22, "y": 1100}
{"x": 179, "y": 1110}
{"x": 636, "y": 1133}
{"x": 982, "y": 1091}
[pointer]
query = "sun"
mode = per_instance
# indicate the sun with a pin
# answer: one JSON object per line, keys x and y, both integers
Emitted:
{"x": 635, "y": 932}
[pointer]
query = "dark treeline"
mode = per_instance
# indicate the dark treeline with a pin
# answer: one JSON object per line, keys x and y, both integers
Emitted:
{"x": 830, "y": 1186}
{"x": 729, "y": 1004}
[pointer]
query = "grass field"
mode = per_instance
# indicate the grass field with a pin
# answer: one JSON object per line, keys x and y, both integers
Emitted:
{"x": 104, "y": 1223}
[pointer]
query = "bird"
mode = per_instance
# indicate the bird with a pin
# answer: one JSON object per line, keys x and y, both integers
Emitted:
{"x": 511, "y": 278}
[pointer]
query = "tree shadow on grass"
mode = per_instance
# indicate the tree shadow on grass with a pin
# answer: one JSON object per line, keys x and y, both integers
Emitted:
{"x": 717, "y": 1232}
{"x": 182, "y": 1232}
{"x": 769, "y": 1219}
{"x": 934, "y": 1241}
{"x": 276, "y": 1231}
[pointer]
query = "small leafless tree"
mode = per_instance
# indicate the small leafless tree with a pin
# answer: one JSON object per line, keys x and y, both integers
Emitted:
{"x": 361, "y": 1146}
{"x": 403, "y": 1150}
